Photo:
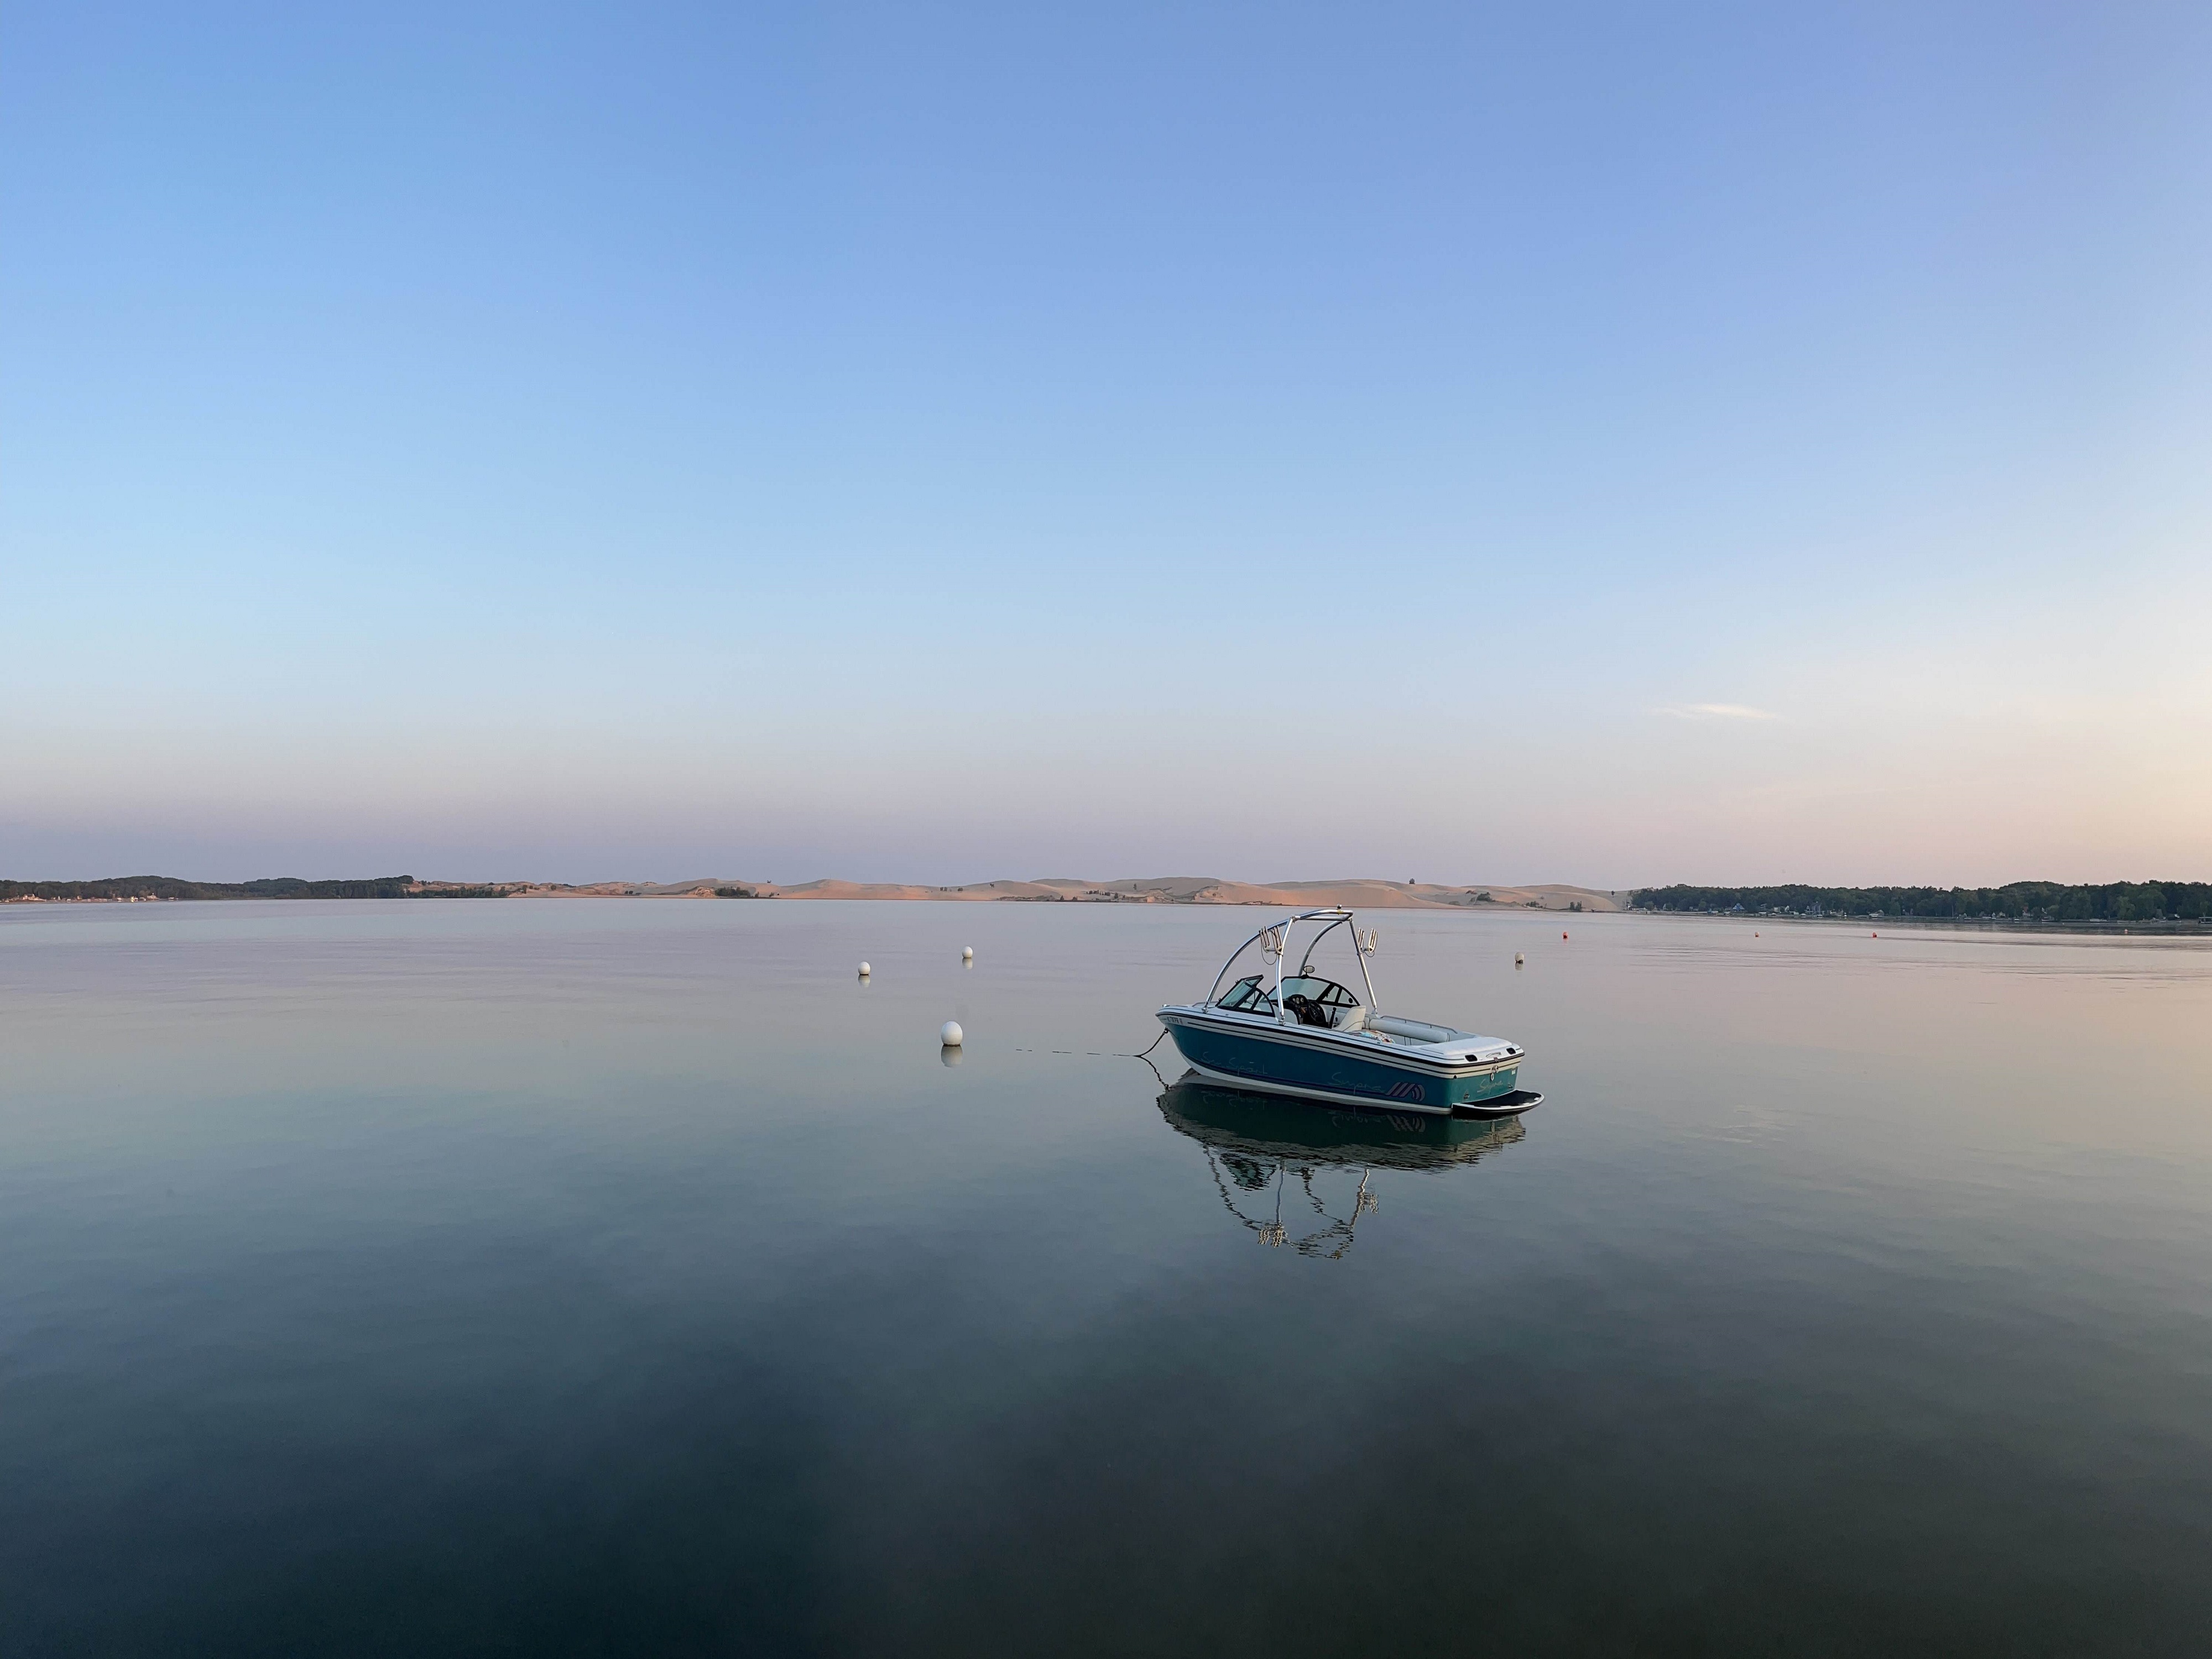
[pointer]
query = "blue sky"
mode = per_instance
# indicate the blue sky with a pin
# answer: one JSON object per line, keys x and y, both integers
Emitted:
{"x": 1612, "y": 444}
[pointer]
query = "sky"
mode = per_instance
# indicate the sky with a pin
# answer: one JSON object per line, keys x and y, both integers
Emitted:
{"x": 1610, "y": 444}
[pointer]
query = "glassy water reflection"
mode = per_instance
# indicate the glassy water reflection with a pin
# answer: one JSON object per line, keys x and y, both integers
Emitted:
{"x": 1257, "y": 1148}
{"x": 627, "y": 1277}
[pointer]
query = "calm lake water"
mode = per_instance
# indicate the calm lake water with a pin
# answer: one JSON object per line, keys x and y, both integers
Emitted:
{"x": 622, "y": 1277}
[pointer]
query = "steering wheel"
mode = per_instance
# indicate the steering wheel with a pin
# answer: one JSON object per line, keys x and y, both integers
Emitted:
{"x": 1308, "y": 1012}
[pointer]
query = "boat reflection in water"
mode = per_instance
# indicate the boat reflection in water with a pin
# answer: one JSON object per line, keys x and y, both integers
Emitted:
{"x": 1259, "y": 1144}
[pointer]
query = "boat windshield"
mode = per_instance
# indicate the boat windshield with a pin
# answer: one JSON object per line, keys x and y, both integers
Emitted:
{"x": 1249, "y": 996}
{"x": 1315, "y": 1001}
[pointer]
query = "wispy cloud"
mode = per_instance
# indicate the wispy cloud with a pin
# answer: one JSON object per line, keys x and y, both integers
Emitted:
{"x": 1716, "y": 711}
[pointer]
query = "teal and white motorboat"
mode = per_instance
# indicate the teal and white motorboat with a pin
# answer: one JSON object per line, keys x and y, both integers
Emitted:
{"x": 1298, "y": 1033}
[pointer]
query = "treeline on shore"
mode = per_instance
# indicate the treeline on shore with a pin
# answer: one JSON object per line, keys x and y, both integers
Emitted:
{"x": 273, "y": 887}
{"x": 2019, "y": 901}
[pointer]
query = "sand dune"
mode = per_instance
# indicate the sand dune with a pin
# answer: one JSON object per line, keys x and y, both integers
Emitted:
{"x": 1359, "y": 892}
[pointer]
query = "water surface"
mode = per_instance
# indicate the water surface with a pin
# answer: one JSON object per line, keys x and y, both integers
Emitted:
{"x": 623, "y": 1276}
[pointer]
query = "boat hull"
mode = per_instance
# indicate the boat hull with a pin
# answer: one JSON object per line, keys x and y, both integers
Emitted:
{"x": 1315, "y": 1067}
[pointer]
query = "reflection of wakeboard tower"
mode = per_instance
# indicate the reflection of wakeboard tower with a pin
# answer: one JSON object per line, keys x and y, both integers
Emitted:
{"x": 1302, "y": 1034}
{"x": 1330, "y": 1242}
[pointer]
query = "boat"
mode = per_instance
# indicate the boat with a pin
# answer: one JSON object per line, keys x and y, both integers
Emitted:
{"x": 1299, "y": 1033}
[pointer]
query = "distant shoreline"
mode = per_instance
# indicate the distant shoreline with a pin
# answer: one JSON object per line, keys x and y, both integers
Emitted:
{"x": 1361, "y": 892}
{"x": 2100, "y": 906}
{"x": 1355, "y": 893}
{"x": 2184, "y": 928}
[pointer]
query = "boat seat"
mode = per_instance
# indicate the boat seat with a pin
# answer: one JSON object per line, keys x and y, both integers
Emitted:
{"x": 1412, "y": 1031}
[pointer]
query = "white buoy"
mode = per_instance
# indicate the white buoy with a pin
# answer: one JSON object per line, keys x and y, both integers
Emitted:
{"x": 1516, "y": 958}
{"x": 949, "y": 1036}
{"x": 966, "y": 953}
{"x": 864, "y": 970}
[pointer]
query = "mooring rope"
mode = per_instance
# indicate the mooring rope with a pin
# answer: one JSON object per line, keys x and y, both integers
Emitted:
{"x": 1143, "y": 1054}
{"x": 1100, "y": 1053}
